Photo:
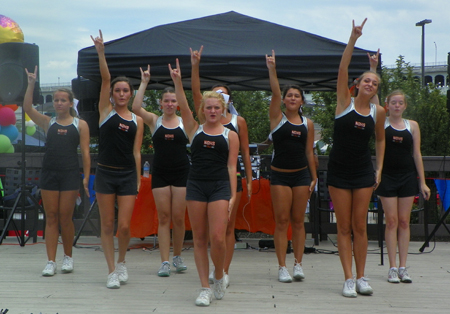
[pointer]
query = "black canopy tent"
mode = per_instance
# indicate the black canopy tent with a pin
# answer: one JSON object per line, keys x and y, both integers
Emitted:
{"x": 234, "y": 52}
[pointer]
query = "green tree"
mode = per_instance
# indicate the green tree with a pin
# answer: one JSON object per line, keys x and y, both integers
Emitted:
{"x": 254, "y": 107}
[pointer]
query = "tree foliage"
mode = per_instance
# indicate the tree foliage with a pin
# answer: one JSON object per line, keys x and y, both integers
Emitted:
{"x": 254, "y": 107}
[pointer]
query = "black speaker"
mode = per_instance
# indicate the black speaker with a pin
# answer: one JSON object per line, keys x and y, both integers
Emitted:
{"x": 14, "y": 58}
{"x": 87, "y": 92}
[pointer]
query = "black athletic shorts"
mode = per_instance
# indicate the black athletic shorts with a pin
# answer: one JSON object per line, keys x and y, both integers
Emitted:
{"x": 60, "y": 180}
{"x": 115, "y": 181}
{"x": 290, "y": 179}
{"x": 208, "y": 191}
{"x": 178, "y": 179}
{"x": 398, "y": 185}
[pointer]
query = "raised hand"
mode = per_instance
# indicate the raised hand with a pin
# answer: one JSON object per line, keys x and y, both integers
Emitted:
{"x": 357, "y": 30}
{"x": 196, "y": 56}
{"x": 145, "y": 75}
{"x": 98, "y": 42}
{"x": 270, "y": 60}
{"x": 31, "y": 76}
{"x": 175, "y": 74}
{"x": 373, "y": 60}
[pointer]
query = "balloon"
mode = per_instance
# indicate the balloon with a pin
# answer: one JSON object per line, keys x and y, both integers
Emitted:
{"x": 10, "y": 150}
{"x": 13, "y": 107}
{"x": 5, "y": 143}
{"x": 27, "y": 117}
{"x": 7, "y": 116}
{"x": 11, "y": 132}
{"x": 30, "y": 123}
{"x": 30, "y": 130}
{"x": 10, "y": 31}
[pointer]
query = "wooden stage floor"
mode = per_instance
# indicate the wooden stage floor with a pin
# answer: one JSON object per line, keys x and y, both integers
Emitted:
{"x": 254, "y": 286}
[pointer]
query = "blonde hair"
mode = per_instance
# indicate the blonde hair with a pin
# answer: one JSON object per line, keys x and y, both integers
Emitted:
{"x": 207, "y": 95}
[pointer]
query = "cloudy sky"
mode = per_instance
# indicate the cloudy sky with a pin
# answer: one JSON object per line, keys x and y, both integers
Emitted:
{"x": 61, "y": 28}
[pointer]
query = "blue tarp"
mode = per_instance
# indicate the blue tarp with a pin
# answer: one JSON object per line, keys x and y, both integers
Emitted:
{"x": 443, "y": 187}
{"x": 29, "y": 140}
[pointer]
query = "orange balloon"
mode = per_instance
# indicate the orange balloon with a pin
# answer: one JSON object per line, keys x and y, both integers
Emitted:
{"x": 13, "y": 107}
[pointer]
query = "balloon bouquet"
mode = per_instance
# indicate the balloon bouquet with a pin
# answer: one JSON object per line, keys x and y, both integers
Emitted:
{"x": 11, "y": 32}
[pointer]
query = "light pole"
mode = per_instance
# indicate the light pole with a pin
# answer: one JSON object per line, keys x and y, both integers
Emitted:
{"x": 422, "y": 23}
{"x": 435, "y": 54}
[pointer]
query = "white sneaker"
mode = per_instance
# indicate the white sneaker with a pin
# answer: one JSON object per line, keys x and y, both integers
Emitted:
{"x": 179, "y": 264}
{"x": 204, "y": 298}
{"x": 226, "y": 278}
{"x": 211, "y": 276}
{"x": 283, "y": 275}
{"x": 164, "y": 270}
{"x": 50, "y": 269}
{"x": 298, "y": 272}
{"x": 67, "y": 264}
{"x": 363, "y": 287}
{"x": 122, "y": 272}
{"x": 219, "y": 288}
{"x": 113, "y": 281}
{"x": 404, "y": 276}
{"x": 393, "y": 275}
{"x": 349, "y": 289}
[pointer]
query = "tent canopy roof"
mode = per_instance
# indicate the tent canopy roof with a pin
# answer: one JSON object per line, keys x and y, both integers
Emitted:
{"x": 234, "y": 52}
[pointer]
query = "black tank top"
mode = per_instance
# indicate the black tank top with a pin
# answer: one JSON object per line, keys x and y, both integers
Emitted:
{"x": 170, "y": 148}
{"x": 398, "y": 155}
{"x": 289, "y": 143}
{"x": 61, "y": 146}
{"x": 209, "y": 156}
{"x": 116, "y": 141}
{"x": 350, "y": 154}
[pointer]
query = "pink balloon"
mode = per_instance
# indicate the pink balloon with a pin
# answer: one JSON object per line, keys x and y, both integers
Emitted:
{"x": 7, "y": 116}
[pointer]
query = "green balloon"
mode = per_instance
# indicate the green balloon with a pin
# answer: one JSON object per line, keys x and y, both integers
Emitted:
{"x": 10, "y": 150}
{"x": 5, "y": 143}
{"x": 31, "y": 130}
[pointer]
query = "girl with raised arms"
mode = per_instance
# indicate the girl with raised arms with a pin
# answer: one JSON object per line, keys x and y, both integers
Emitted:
{"x": 118, "y": 173}
{"x": 237, "y": 124}
{"x": 60, "y": 176}
{"x": 169, "y": 172}
{"x": 293, "y": 170}
{"x": 351, "y": 178}
{"x": 211, "y": 185}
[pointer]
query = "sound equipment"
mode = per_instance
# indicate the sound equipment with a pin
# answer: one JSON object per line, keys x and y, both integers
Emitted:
{"x": 88, "y": 93}
{"x": 14, "y": 58}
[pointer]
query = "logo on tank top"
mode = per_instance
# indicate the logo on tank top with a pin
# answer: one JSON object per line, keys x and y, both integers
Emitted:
{"x": 360, "y": 125}
{"x": 169, "y": 137}
{"x": 62, "y": 132}
{"x": 124, "y": 127}
{"x": 209, "y": 144}
{"x": 397, "y": 139}
{"x": 295, "y": 133}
